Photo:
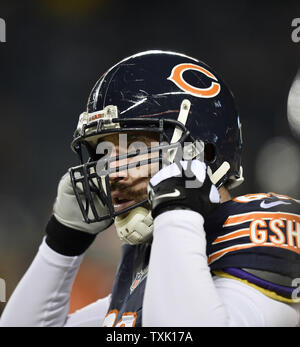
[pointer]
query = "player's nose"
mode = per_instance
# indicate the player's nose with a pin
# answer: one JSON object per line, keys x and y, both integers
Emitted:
{"x": 119, "y": 171}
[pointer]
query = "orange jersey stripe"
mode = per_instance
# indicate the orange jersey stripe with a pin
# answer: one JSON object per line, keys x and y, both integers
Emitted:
{"x": 231, "y": 236}
{"x": 250, "y": 216}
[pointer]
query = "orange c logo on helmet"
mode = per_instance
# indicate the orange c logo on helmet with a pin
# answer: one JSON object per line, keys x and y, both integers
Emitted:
{"x": 177, "y": 77}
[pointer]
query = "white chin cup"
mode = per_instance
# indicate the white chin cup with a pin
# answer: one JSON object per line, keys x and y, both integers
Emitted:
{"x": 136, "y": 227}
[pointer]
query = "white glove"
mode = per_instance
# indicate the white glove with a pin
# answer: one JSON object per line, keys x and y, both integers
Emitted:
{"x": 67, "y": 211}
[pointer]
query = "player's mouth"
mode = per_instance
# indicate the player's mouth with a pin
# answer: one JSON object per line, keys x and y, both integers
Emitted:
{"x": 121, "y": 202}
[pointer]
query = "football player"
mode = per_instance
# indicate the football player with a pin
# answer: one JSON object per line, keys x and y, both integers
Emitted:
{"x": 160, "y": 149}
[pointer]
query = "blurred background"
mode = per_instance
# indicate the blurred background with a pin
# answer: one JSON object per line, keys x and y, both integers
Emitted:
{"x": 54, "y": 53}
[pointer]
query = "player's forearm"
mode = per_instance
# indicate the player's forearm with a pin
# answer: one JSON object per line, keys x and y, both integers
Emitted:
{"x": 42, "y": 296}
{"x": 180, "y": 289}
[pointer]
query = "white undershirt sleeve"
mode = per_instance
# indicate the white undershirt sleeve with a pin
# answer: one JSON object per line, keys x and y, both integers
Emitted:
{"x": 179, "y": 289}
{"x": 42, "y": 296}
{"x": 92, "y": 315}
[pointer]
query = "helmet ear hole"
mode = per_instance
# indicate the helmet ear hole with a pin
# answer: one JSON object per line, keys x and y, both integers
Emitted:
{"x": 209, "y": 153}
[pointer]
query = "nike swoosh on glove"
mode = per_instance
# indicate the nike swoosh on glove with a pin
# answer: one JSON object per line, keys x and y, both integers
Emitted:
{"x": 67, "y": 232}
{"x": 183, "y": 185}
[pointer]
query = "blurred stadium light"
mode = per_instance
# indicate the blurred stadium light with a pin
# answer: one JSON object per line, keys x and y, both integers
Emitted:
{"x": 293, "y": 106}
{"x": 278, "y": 167}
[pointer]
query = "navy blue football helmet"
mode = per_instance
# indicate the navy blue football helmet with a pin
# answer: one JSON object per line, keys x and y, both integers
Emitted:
{"x": 176, "y": 96}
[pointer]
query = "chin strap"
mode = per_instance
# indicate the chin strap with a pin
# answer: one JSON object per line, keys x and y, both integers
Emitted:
{"x": 136, "y": 227}
{"x": 182, "y": 118}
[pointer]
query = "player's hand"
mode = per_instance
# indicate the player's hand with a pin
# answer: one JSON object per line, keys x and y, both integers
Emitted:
{"x": 67, "y": 211}
{"x": 183, "y": 185}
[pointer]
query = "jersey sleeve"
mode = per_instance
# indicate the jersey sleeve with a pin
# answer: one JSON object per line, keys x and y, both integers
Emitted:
{"x": 42, "y": 296}
{"x": 258, "y": 231}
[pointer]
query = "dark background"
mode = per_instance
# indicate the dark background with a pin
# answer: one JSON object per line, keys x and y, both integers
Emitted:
{"x": 55, "y": 52}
